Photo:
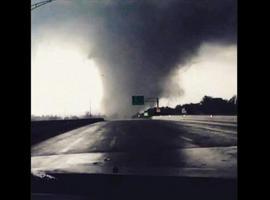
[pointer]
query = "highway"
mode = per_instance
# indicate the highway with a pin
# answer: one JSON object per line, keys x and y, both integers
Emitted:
{"x": 190, "y": 147}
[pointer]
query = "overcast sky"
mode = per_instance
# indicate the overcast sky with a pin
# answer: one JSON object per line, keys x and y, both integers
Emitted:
{"x": 97, "y": 54}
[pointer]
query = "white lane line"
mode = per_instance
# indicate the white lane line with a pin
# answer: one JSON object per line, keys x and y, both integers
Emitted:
{"x": 209, "y": 132}
{"x": 113, "y": 142}
{"x": 211, "y": 129}
{"x": 71, "y": 145}
{"x": 190, "y": 143}
{"x": 210, "y": 123}
{"x": 187, "y": 139}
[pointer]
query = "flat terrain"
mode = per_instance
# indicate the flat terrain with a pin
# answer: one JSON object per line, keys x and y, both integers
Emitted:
{"x": 42, "y": 130}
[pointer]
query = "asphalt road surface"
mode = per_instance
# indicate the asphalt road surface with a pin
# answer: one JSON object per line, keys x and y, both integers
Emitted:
{"x": 197, "y": 148}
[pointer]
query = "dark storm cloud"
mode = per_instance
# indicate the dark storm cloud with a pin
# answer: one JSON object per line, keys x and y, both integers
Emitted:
{"x": 144, "y": 41}
{"x": 139, "y": 44}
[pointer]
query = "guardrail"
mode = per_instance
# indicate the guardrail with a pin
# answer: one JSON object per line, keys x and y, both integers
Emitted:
{"x": 219, "y": 118}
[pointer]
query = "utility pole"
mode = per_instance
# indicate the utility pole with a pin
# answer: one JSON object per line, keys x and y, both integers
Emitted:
{"x": 90, "y": 108}
{"x": 152, "y": 100}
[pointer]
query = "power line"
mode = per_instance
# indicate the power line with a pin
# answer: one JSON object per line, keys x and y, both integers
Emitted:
{"x": 41, "y": 3}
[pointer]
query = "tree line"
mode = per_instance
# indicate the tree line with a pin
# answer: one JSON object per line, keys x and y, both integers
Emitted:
{"x": 207, "y": 106}
{"x": 87, "y": 115}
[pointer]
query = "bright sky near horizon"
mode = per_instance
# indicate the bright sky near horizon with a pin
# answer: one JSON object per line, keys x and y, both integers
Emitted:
{"x": 212, "y": 72}
{"x": 64, "y": 81}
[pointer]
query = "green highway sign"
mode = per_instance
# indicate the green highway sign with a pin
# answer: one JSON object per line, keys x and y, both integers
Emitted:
{"x": 137, "y": 100}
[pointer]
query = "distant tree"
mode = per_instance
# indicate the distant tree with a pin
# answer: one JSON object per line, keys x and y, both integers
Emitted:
{"x": 207, "y": 106}
{"x": 87, "y": 115}
{"x": 192, "y": 109}
{"x": 73, "y": 117}
{"x": 178, "y": 109}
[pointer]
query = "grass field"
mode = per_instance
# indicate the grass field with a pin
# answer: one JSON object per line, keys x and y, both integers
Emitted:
{"x": 42, "y": 130}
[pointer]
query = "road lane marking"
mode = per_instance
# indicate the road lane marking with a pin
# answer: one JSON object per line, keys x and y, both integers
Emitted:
{"x": 211, "y": 128}
{"x": 203, "y": 160}
{"x": 70, "y": 146}
{"x": 113, "y": 142}
{"x": 187, "y": 139}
